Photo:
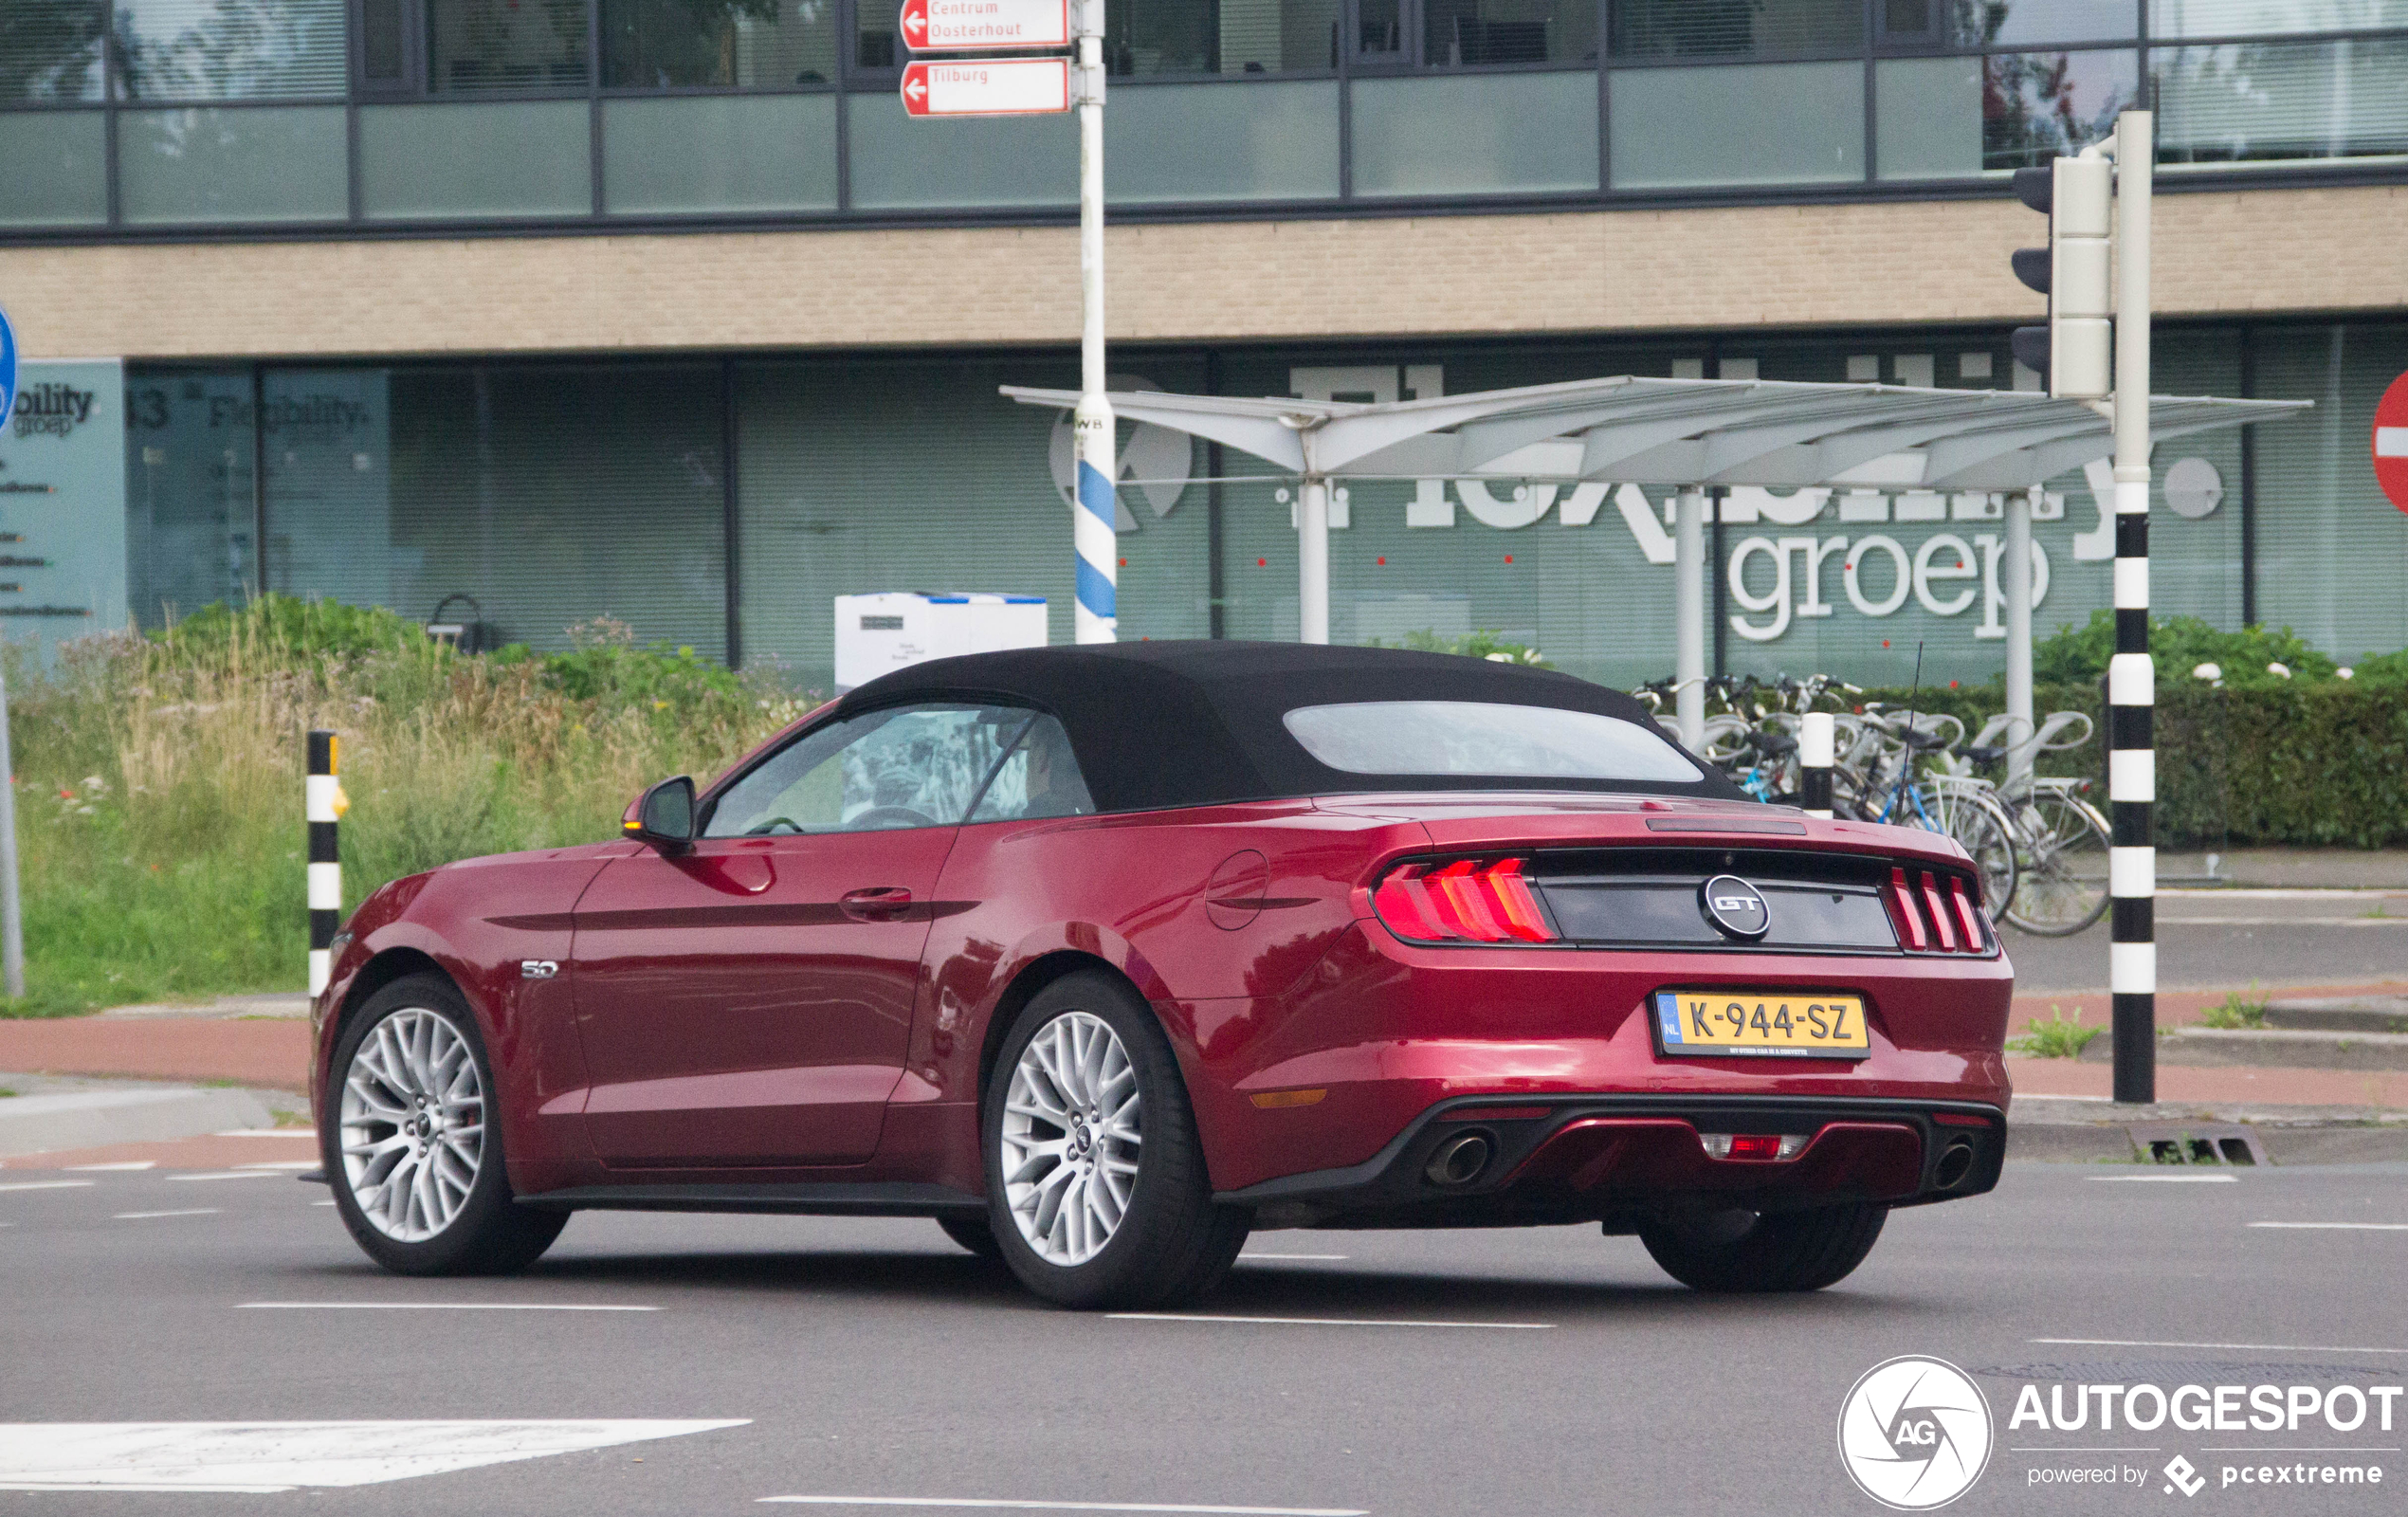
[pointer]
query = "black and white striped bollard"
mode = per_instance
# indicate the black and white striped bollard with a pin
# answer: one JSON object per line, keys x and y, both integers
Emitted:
{"x": 2132, "y": 678}
{"x": 1817, "y": 745}
{"x": 323, "y": 798}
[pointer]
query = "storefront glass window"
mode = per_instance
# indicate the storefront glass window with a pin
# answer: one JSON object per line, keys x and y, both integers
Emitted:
{"x": 720, "y": 153}
{"x": 53, "y": 168}
{"x": 906, "y": 474}
{"x": 546, "y": 496}
{"x": 444, "y": 161}
{"x": 229, "y": 49}
{"x": 1476, "y": 134}
{"x": 191, "y": 509}
{"x": 1189, "y": 142}
{"x": 2250, "y": 18}
{"x": 743, "y": 44}
{"x": 51, "y": 50}
{"x": 513, "y": 45}
{"x": 1765, "y": 123}
{"x": 253, "y": 164}
{"x": 2332, "y": 552}
{"x": 1707, "y": 29}
{"x": 2251, "y": 101}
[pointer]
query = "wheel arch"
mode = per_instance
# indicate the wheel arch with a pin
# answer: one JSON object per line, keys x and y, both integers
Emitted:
{"x": 1033, "y": 978}
{"x": 391, "y": 964}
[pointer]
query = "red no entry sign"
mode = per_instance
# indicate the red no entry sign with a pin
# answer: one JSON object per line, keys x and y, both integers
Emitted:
{"x": 2391, "y": 442}
{"x": 937, "y": 26}
{"x": 988, "y": 86}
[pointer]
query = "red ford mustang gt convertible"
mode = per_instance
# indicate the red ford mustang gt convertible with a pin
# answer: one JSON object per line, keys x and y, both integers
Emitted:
{"x": 1102, "y": 957}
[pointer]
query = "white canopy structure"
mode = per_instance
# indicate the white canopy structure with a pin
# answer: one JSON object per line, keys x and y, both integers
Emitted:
{"x": 1690, "y": 433}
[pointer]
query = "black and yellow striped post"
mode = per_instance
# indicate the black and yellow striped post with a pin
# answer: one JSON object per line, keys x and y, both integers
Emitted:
{"x": 324, "y": 803}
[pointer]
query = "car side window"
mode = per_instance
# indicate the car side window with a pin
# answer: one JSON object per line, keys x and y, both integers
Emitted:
{"x": 1039, "y": 779}
{"x": 902, "y": 767}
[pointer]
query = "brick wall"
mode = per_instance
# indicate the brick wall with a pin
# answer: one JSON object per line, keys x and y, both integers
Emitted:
{"x": 1855, "y": 266}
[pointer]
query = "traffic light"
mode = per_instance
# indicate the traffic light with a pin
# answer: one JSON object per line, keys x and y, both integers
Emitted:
{"x": 2071, "y": 351}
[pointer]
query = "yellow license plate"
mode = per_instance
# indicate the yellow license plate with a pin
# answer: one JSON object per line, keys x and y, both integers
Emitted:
{"x": 1779, "y": 1024}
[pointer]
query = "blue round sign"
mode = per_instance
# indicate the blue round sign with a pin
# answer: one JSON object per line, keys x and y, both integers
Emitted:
{"x": 7, "y": 369}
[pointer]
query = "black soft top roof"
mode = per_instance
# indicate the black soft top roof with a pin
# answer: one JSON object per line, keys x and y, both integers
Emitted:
{"x": 1196, "y": 724}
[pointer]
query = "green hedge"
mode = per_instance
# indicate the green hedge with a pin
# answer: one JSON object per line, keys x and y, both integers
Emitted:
{"x": 2319, "y": 763}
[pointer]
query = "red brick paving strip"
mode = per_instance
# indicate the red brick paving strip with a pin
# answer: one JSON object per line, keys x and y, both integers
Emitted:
{"x": 268, "y": 1053}
{"x": 183, "y": 1153}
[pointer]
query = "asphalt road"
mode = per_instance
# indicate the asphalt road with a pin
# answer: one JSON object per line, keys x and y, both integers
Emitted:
{"x": 1537, "y": 1372}
{"x": 2229, "y": 938}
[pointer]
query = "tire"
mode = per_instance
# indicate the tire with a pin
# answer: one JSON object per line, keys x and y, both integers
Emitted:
{"x": 1168, "y": 1244}
{"x": 972, "y": 1233}
{"x": 455, "y": 1216}
{"x": 1783, "y": 1251}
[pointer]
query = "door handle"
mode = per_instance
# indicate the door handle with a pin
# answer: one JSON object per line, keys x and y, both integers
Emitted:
{"x": 877, "y": 903}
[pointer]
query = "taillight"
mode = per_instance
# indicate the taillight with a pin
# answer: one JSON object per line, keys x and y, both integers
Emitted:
{"x": 1934, "y": 912}
{"x": 1466, "y": 900}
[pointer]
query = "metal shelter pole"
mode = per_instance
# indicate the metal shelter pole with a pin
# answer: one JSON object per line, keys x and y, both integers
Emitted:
{"x": 2132, "y": 678}
{"x": 2018, "y": 588}
{"x": 1689, "y": 617}
{"x": 1097, "y": 614}
{"x": 11, "y": 904}
{"x": 1312, "y": 561}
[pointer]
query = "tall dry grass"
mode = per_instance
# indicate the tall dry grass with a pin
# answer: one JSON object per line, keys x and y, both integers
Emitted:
{"x": 159, "y": 779}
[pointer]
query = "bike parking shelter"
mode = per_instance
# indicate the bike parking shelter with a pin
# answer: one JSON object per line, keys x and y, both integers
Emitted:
{"x": 1695, "y": 435}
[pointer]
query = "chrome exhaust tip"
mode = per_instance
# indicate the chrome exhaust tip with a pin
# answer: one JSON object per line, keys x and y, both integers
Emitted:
{"x": 1956, "y": 1163}
{"x": 1459, "y": 1160}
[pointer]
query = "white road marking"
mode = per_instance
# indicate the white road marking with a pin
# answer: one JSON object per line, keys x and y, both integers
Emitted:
{"x": 322, "y": 1203}
{"x": 260, "y": 1457}
{"x": 129, "y": 1164}
{"x": 144, "y": 1216}
{"x": 2193, "y": 1179}
{"x": 229, "y": 1173}
{"x": 1243, "y": 1257}
{"x": 431, "y": 1305}
{"x": 1065, "y": 1505}
{"x": 2282, "y": 894}
{"x": 269, "y": 1132}
{"x": 2147, "y": 1342}
{"x": 47, "y": 1185}
{"x": 2282, "y": 921}
{"x": 2341, "y": 1226}
{"x": 282, "y": 1163}
{"x": 1316, "y": 1322}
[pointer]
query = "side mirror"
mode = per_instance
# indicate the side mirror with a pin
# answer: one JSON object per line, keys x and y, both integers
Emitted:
{"x": 664, "y": 816}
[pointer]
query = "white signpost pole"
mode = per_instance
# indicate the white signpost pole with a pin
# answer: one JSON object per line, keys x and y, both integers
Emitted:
{"x": 1095, "y": 537}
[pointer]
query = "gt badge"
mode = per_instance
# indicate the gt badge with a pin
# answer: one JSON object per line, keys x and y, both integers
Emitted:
{"x": 1735, "y": 907}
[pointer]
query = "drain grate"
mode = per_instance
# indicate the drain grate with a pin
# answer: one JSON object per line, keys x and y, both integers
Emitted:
{"x": 2229, "y": 1145}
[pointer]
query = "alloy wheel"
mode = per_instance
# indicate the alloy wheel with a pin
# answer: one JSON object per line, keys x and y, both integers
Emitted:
{"x": 412, "y": 1129}
{"x": 1070, "y": 1137}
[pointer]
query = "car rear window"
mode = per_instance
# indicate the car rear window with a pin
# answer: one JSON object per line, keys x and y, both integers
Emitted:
{"x": 1479, "y": 737}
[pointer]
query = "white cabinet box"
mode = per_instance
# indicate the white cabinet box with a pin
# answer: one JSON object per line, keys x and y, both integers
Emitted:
{"x": 890, "y": 630}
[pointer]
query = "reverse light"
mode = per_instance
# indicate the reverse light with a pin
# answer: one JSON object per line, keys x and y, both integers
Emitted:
{"x": 1754, "y": 1148}
{"x": 1466, "y": 900}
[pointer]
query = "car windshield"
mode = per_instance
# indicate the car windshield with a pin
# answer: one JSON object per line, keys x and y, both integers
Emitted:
{"x": 1481, "y": 738}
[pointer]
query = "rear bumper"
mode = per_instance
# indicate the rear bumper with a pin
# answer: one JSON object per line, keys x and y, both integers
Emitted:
{"x": 1612, "y": 1158}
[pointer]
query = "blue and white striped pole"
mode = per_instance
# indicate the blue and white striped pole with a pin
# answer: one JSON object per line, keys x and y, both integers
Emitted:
{"x": 322, "y": 804}
{"x": 1096, "y": 537}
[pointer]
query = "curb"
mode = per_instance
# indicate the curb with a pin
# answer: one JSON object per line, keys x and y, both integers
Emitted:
{"x": 99, "y": 1119}
{"x": 2269, "y": 1048}
{"x": 2058, "y": 1131}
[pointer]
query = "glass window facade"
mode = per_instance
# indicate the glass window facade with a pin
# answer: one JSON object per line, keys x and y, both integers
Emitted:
{"x": 229, "y": 49}
{"x": 1363, "y": 100}
{"x": 50, "y": 51}
{"x": 550, "y": 493}
{"x": 205, "y": 164}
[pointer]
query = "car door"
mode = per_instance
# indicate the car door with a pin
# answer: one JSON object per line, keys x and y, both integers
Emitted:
{"x": 748, "y": 1001}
